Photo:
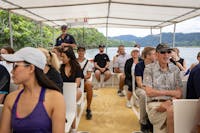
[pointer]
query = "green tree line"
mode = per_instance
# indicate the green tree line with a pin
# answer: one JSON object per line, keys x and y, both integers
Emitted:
{"x": 27, "y": 32}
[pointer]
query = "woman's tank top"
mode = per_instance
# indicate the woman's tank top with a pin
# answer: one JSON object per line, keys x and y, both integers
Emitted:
{"x": 37, "y": 121}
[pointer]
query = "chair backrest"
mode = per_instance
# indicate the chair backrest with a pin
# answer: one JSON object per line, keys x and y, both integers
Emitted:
{"x": 185, "y": 113}
{"x": 1, "y": 108}
{"x": 69, "y": 92}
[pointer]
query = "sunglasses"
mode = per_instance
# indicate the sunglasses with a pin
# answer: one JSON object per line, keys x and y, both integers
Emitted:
{"x": 15, "y": 65}
{"x": 164, "y": 52}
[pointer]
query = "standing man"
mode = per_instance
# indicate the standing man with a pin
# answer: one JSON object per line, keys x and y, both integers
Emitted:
{"x": 101, "y": 64}
{"x": 148, "y": 54}
{"x": 119, "y": 67}
{"x": 65, "y": 39}
{"x": 162, "y": 83}
{"x": 87, "y": 69}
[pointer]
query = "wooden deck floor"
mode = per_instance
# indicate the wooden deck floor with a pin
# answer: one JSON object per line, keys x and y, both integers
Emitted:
{"x": 110, "y": 115}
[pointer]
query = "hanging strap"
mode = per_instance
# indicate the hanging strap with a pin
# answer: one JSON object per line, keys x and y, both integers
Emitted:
{"x": 85, "y": 65}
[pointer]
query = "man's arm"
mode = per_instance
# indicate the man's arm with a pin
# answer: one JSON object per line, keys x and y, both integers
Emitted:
{"x": 68, "y": 44}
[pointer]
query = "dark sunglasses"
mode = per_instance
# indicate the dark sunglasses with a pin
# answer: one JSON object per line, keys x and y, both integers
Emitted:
{"x": 164, "y": 52}
{"x": 15, "y": 65}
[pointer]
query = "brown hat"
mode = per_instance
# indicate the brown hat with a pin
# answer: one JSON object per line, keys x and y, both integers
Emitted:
{"x": 162, "y": 47}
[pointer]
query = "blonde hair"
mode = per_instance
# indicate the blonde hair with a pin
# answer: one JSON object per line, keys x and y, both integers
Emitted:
{"x": 52, "y": 58}
{"x": 147, "y": 51}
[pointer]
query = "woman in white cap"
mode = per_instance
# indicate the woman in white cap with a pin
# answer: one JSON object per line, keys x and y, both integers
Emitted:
{"x": 37, "y": 108}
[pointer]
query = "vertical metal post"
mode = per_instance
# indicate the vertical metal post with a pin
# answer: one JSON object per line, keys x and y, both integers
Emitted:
{"x": 41, "y": 34}
{"x": 174, "y": 36}
{"x": 160, "y": 35}
{"x": 10, "y": 27}
{"x": 106, "y": 37}
{"x": 151, "y": 31}
{"x": 83, "y": 36}
{"x": 53, "y": 36}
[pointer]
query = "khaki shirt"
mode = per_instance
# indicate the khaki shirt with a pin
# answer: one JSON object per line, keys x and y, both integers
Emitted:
{"x": 169, "y": 80}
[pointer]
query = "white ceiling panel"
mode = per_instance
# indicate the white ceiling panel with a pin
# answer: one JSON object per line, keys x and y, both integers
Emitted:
{"x": 175, "y": 3}
{"x": 28, "y": 14}
{"x": 102, "y": 13}
{"x": 85, "y": 11}
{"x": 44, "y": 3}
{"x": 146, "y": 12}
{"x": 6, "y": 5}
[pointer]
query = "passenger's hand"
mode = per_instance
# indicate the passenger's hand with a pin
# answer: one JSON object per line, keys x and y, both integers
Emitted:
{"x": 164, "y": 106}
{"x": 148, "y": 91}
{"x": 64, "y": 44}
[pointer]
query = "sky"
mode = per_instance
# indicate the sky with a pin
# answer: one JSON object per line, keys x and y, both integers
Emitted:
{"x": 192, "y": 25}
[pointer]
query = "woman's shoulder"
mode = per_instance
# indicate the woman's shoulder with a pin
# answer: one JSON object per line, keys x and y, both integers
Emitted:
{"x": 53, "y": 95}
{"x": 11, "y": 97}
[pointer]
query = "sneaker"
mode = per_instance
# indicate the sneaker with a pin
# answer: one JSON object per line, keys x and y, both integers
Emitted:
{"x": 128, "y": 104}
{"x": 88, "y": 114}
{"x": 120, "y": 93}
{"x": 144, "y": 128}
{"x": 73, "y": 131}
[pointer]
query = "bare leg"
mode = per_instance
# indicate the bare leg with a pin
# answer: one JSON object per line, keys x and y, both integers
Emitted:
{"x": 129, "y": 94}
{"x": 97, "y": 75}
{"x": 107, "y": 75}
{"x": 88, "y": 89}
{"x": 121, "y": 81}
{"x": 170, "y": 119}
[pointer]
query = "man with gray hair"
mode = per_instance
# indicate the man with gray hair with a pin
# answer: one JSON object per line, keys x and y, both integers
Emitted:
{"x": 119, "y": 67}
{"x": 162, "y": 83}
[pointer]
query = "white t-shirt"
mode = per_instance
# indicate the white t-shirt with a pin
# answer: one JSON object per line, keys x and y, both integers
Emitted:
{"x": 88, "y": 67}
{"x": 120, "y": 61}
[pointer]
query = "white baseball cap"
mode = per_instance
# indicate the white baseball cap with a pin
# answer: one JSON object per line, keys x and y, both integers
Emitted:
{"x": 135, "y": 49}
{"x": 29, "y": 54}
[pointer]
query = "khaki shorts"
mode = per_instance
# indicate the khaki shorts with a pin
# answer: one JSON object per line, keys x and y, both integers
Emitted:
{"x": 158, "y": 119}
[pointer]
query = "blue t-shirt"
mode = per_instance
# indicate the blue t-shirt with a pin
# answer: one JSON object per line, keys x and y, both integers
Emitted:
{"x": 193, "y": 87}
{"x": 139, "y": 69}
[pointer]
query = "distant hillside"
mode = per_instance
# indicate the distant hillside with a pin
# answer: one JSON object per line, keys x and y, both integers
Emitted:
{"x": 189, "y": 39}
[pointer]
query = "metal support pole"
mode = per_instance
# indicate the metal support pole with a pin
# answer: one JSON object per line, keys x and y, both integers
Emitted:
{"x": 83, "y": 36}
{"x": 160, "y": 35}
{"x": 106, "y": 37}
{"x": 174, "y": 36}
{"x": 151, "y": 31}
{"x": 41, "y": 34}
{"x": 10, "y": 27}
{"x": 53, "y": 36}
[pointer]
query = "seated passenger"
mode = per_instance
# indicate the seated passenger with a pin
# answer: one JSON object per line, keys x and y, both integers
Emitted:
{"x": 87, "y": 69}
{"x": 101, "y": 64}
{"x": 148, "y": 54}
{"x": 71, "y": 72}
{"x": 177, "y": 60}
{"x": 162, "y": 83}
{"x": 39, "y": 106}
{"x": 129, "y": 72}
{"x": 119, "y": 67}
{"x": 52, "y": 68}
{"x": 4, "y": 83}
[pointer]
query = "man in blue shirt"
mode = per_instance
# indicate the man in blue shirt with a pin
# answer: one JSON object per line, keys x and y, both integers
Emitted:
{"x": 65, "y": 39}
{"x": 193, "y": 87}
{"x": 149, "y": 56}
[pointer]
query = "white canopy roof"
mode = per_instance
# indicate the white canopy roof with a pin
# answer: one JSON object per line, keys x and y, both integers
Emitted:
{"x": 103, "y": 13}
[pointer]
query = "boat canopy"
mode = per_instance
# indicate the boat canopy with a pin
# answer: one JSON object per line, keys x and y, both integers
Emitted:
{"x": 147, "y": 14}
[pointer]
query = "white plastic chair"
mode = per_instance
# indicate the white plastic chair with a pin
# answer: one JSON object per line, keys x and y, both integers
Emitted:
{"x": 1, "y": 108}
{"x": 185, "y": 113}
{"x": 69, "y": 92}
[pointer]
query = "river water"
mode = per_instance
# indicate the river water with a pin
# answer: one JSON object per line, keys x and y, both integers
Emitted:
{"x": 189, "y": 54}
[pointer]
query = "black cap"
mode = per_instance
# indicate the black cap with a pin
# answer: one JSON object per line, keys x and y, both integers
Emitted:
{"x": 80, "y": 47}
{"x": 101, "y": 46}
{"x": 162, "y": 47}
{"x": 63, "y": 27}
